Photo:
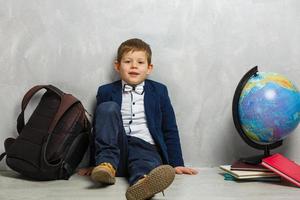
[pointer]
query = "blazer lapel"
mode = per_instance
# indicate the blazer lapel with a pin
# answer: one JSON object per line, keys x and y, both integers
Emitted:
{"x": 150, "y": 100}
{"x": 117, "y": 93}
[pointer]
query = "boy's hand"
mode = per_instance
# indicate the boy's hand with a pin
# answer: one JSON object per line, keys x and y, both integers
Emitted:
{"x": 85, "y": 171}
{"x": 185, "y": 170}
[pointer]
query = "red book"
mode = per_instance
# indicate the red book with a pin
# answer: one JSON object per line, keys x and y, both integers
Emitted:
{"x": 284, "y": 167}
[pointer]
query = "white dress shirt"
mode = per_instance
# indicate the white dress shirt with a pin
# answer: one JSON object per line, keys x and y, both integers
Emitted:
{"x": 133, "y": 115}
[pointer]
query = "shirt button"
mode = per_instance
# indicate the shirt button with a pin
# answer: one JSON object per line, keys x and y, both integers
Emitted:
{"x": 133, "y": 115}
{"x": 133, "y": 103}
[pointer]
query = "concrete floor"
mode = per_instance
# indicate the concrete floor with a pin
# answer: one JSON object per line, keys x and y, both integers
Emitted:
{"x": 208, "y": 184}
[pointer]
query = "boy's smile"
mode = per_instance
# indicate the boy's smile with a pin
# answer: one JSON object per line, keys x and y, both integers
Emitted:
{"x": 134, "y": 67}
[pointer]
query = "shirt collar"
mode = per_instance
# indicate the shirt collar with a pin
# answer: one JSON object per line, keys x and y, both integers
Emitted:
{"x": 141, "y": 84}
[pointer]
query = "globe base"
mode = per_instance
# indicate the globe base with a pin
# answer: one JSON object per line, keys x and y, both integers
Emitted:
{"x": 253, "y": 160}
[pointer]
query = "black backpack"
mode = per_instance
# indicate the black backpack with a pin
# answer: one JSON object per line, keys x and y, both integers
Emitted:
{"x": 53, "y": 141}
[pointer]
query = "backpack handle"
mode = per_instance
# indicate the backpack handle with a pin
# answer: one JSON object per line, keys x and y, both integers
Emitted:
{"x": 67, "y": 100}
{"x": 35, "y": 89}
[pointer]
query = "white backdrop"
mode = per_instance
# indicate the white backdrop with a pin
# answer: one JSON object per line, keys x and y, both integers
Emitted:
{"x": 201, "y": 49}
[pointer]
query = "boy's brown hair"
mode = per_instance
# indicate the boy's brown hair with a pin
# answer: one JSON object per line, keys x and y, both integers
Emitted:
{"x": 134, "y": 44}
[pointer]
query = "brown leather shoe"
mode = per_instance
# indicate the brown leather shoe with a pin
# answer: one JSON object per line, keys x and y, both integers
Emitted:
{"x": 155, "y": 182}
{"x": 104, "y": 173}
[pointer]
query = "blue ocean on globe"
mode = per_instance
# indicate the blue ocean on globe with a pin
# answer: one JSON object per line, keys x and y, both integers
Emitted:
{"x": 269, "y": 107}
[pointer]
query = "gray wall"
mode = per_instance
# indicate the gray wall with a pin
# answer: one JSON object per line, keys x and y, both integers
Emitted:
{"x": 201, "y": 50}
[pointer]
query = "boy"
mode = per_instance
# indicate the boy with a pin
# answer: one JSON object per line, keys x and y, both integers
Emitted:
{"x": 135, "y": 128}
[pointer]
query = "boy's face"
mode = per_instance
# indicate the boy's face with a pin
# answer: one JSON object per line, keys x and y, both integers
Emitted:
{"x": 134, "y": 67}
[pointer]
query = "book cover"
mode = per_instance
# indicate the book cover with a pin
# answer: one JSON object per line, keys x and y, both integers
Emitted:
{"x": 240, "y": 165}
{"x": 229, "y": 177}
{"x": 284, "y": 167}
{"x": 247, "y": 174}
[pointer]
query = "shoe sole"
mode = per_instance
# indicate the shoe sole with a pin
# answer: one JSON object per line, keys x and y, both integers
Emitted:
{"x": 156, "y": 181}
{"x": 103, "y": 176}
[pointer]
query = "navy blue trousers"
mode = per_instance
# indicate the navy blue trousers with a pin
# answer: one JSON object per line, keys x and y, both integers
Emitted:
{"x": 130, "y": 156}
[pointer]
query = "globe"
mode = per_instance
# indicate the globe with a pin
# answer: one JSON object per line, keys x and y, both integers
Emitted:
{"x": 266, "y": 109}
{"x": 269, "y": 107}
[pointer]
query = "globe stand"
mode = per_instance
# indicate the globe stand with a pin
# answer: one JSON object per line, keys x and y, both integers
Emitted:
{"x": 236, "y": 119}
{"x": 255, "y": 160}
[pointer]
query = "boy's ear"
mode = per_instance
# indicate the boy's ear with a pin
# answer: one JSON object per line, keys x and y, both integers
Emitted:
{"x": 117, "y": 65}
{"x": 150, "y": 68}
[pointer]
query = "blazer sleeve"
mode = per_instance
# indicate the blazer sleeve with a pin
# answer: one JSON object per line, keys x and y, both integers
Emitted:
{"x": 170, "y": 131}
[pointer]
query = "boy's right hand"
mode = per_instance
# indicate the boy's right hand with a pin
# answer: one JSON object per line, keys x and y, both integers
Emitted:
{"x": 85, "y": 171}
{"x": 185, "y": 170}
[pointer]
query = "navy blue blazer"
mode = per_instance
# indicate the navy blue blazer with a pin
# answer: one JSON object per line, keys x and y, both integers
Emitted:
{"x": 159, "y": 114}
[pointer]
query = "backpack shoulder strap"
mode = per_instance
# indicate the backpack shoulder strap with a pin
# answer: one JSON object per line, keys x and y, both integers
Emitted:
{"x": 2, "y": 156}
{"x": 67, "y": 101}
{"x": 27, "y": 97}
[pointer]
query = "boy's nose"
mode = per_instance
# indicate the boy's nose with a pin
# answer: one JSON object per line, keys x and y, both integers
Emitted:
{"x": 134, "y": 65}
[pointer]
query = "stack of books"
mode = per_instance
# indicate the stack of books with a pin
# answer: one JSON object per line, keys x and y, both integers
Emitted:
{"x": 272, "y": 168}
{"x": 240, "y": 171}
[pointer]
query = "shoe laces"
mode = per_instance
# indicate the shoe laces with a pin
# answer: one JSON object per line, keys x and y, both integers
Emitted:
{"x": 109, "y": 167}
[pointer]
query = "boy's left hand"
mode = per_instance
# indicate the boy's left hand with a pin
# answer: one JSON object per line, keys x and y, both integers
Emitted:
{"x": 185, "y": 170}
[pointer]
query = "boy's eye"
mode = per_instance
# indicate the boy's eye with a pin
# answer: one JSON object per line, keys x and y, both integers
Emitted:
{"x": 141, "y": 62}
{"x": 127, "y": 61}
